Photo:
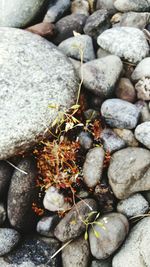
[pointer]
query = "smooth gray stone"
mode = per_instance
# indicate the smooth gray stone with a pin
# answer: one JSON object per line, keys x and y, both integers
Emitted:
{"x": 18, "y": 13}
{"x": 34, "y": 74}
{"x": 75, "y": 46}
{"x": 111, "y": 141}
{"x": 135, "y": 251}
{"x": 132, "y": 206}
{"x": 135, "y": 19}
{"x": 106, "y": 4}
{"x": 129, "y": 171}
{"x": 142, "y": 133}
{"x": 100, "y": 75}
{"x": 111, "y": 232}
{"x": 9, "y": 238}
{"x": 134, "y": 5}
{"x": 56, "y": 9}
{"x": 142, "y": 70}
{"x": 126, "y": 42}
{"x": 120, "y": 113}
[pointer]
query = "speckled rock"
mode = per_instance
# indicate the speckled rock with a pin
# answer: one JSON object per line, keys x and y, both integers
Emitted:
{"x": 71, "y": 226}
{"x": 143, "y": 89}
{"x": 142, "y": 70}
{"x": 98, "y": 22}
{"x": 85, "y": 140}
{"x": 120, "y": 113}
{"x": 9, "y": 239}
{"x": 142, "y": 133}
{"x": 125, "y": 90}
{"x": 127, "y": 136}
{"x": 112, "y": 233}
{"x": 18, "y": 13}
{"x": 93, "y": 166}
{"x": 134, "y": 5}
{"x": 106, "y": 4}
{"x": 111, "y": 141}
{"x": 46, "y": 225}
{"x": 68, "y": 24}
{"x": 133, "y": 44}
{"x": 21, "y": 195}
{"x": 2, "y": 214}
{"x": 101, "y": 75}
{"x": 102, "y": 263}
{"x": 129, "y": 171}
{"x": 76, "y": 254}
{"x": 135, "y": 19}
{"x": 73, "y": 46}
{"x": 35, "y": 250}
{"x": 25, "y": 95}
{"x": 56, "y": 9}
{"x": 80, "y": 7}
{"x": 135, "y": 251}
{"x": 5, "y": 176}
{"x": 132, "y": 206}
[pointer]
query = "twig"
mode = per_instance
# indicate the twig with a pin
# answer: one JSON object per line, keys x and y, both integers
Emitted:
{"x": 15, "y": 167}
{"x": 60, "y": 249}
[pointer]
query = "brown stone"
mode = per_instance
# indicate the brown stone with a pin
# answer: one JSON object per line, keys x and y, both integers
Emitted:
{"x": 126, "y": 91}
{"x": 44, "y": 29}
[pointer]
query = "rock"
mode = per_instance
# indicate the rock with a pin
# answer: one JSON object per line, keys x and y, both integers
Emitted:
{"x": 97, "y": 23}
{"x": 67, "y": 25}
{"x": 2, "y": 214}
{"x": 106, "y": 4}
{"x": 101, "y": 263}
{"x": 102, "y": 53}
{"x": 71, "y": 226}
{"x": 44, "y": 29}
{"x": 111, "y": 141}
{"x": 56, "y": 9}
{"x": 95, "y": 101}
{"x": 132, "y": 206}
{"x": 142, "y": 70}
{"x": 24, "y": 264}
{"x": 18, "y": 13}
{"x": 105, "y": 198}
{"x": 134, "y": 5}
{"x": 21, "y": 195}
{"x": 35, "y": 250}
{"x": 143, "y": 89}
{"x": 47, "y": 225}
{"x": 135, "y": 251}
{"x": 76, "y": 254}
{"x": 85, "y": 140}
{"x": 133, "y": 48}
{"x": 112, "y": 230}
{"x": 145, "y": 112}
{"x": 125, "y": 90}
{"x": 5, "y": 175}
{"x": 120, "y": 113}
{"x": 142, "y": 133}
{"x": 93, "y": 166}
{"x": 127, "y": 136}
{"x": 54, "y": 200}
{"x": 101, "y": 75}
{"x": 135, "y": 19}
{"x": 76, "y": 64}
{"x": 80, "y": 7}
{"x": 74, "y": 46}
{"x": 9, "y": 239}
{"x": 129, "y": 171}
{"x": 25, "y": 95}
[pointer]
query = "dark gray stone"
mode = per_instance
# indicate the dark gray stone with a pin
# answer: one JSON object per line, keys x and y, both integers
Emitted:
{"x": 85, "y": 140}
{"x": 101, "y": 75}
{"x": 75, "y": 46}
{"x": 125, "y": 42}
{"x": 134, "y": 5}
{"x": 120, "y": 113}
{"x": 129, "y": 171}
{"x": 142, "y": 133}
{"x": 98, "y": 22}
{"x": 46, "y": 77}
{"x": 111, "y": 141}
{"x": 76, "y": 254}
{"x": 2, "y": 214}
{"x": 18, "y": 13}
{"x": 9, "y": 239}
{"x": 71, "y": 226}
{"x": 5, "y": 175}
{"x": 112, "y": 232}
{"x": 102, "y": 263}
{"x": 56, "y": 9}
{"x": 21, "y": 195}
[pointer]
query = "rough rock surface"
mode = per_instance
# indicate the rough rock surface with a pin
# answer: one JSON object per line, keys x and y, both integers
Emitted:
{"x": 134, "y": 5}
{"x": 142, "y": 70}
{"x": 126, "y": 42}
{"x": 129, "y": 171}
{"x": 46, "y": 77}
{"x": 142, "y": 133}
{"x": 9, "y": 238}
{"x": 18, "y": 13}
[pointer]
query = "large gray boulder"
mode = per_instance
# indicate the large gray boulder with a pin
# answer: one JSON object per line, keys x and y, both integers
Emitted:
{"x": 18, "y": 13}
{"x": 33, "y": 75}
